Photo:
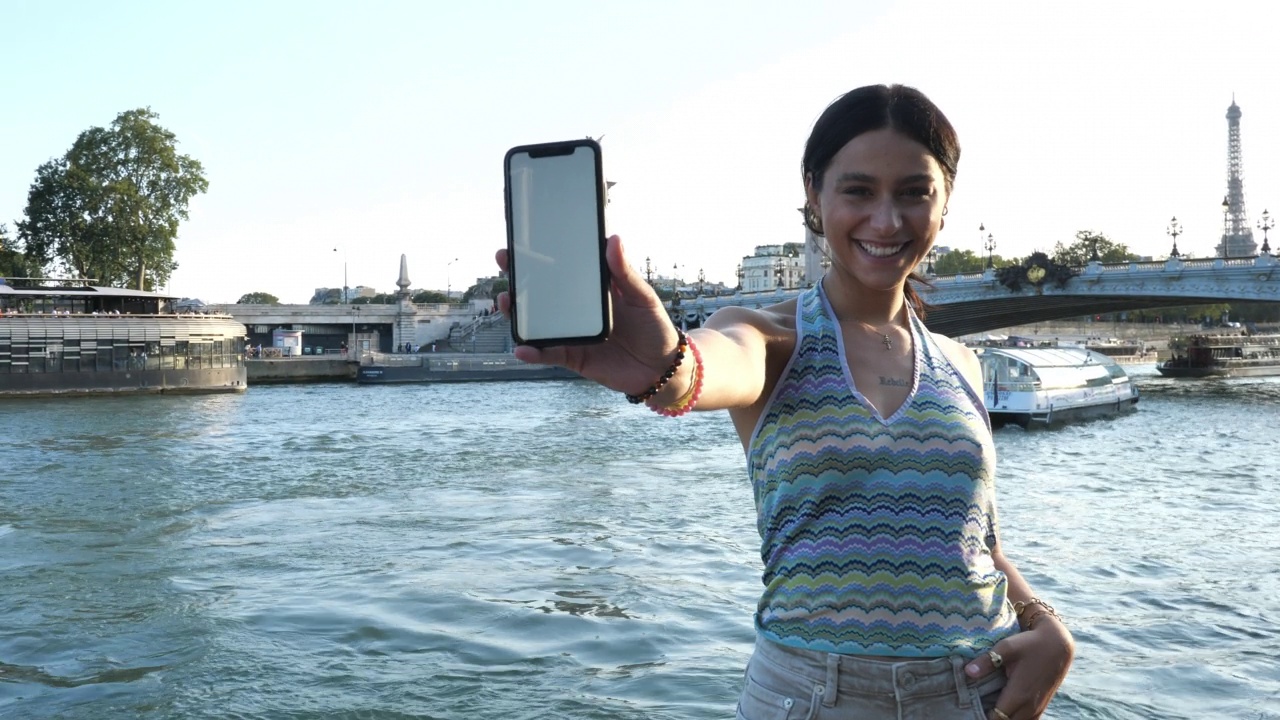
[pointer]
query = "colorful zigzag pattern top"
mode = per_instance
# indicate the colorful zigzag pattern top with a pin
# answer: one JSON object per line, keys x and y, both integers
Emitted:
{"x": 875, "y": 533}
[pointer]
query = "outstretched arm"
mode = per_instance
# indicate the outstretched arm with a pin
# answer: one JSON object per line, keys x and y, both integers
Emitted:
{"x": 642, "y": 345}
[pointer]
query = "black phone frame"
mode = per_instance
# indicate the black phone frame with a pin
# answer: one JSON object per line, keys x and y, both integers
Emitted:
{"x": 552, "y": 149}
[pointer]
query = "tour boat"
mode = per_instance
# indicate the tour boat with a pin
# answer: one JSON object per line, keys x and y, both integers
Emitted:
{"x": 1223, "y": 355}
{"x": 1052, "y": 385}
{"x": 85, "y": 340}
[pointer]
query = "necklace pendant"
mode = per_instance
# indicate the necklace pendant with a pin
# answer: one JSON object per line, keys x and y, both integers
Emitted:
{"x": 888, "y": 344}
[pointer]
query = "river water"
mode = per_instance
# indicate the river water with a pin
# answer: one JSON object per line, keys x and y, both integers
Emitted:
{"x": 545, "y": 550}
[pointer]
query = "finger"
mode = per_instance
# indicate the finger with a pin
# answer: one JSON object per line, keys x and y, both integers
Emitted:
{"x": 501, "y": 257}
{"x": 504, "y": 303}
{"x": 632, "y": 288}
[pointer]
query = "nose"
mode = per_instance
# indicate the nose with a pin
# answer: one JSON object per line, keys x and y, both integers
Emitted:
{"x": 886, "y": 217}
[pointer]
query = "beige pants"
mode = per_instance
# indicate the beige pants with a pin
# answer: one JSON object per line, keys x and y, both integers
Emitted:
{"x": 785, "y": 683}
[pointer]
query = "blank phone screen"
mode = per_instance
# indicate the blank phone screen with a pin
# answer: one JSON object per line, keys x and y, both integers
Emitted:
{"x": 555, "y": 243}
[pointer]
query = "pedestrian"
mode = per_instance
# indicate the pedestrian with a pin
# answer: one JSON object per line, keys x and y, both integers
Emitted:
{"x": 887, "y": 590}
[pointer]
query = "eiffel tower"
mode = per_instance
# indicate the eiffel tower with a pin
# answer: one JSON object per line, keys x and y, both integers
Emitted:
{"x": 1237, "y": 237}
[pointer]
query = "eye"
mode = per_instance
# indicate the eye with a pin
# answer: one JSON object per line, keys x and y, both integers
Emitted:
{"x": 918, "y": 192}
{"x": 857, "y": 191}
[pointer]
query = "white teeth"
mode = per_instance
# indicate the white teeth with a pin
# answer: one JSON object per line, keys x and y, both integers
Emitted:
{"x": 881, "y": 250}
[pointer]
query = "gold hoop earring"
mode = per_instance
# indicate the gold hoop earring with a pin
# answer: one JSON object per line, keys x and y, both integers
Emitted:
{"x": 812, "y": 221}
{"x": 944, "y": 211}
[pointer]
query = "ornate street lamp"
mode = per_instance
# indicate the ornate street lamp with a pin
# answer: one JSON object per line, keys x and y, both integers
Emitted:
{"x": 990, "y": 245}
{"x": 648, "y": 271}
{"x": 1175, "y": 229}
{"x": 742, "y": 276}
{"x": 933, "y": 253}
{"x": 1265, "y": 224}
{"x": 777, "y": 270}
{"x": 702, "y": 282}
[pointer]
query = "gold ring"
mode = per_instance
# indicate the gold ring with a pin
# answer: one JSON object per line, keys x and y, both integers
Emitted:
{"x": 1000, "y": 714}
{"x": 996, "y": 660}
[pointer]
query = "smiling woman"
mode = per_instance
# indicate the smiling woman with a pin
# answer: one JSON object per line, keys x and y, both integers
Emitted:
{"x": 886, "y": 590}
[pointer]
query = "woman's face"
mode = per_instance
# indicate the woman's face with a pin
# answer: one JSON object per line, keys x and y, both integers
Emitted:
{"x": 881, "y": 206}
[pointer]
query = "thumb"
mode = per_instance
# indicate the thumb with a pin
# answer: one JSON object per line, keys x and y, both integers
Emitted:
{"x": 631, "y": 287}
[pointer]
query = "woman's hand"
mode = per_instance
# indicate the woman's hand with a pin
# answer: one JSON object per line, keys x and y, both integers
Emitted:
{"x": 1035, "y": 662}
{"x": 641, "y": 344}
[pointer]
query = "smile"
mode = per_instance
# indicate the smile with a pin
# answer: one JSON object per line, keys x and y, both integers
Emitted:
{"x": 881, "y": 251}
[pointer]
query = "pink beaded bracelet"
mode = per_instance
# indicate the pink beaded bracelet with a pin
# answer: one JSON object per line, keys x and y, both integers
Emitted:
{"x": 686, "y": 402}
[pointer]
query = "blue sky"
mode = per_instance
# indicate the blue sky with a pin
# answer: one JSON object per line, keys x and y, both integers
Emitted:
{"x": 379, "y": 128}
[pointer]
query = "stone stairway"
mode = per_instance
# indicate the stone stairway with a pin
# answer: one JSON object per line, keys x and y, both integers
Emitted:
{"x": 488, "y": 334}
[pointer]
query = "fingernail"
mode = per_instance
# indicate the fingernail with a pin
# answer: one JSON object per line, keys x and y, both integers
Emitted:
{"x": 972, "y": 669}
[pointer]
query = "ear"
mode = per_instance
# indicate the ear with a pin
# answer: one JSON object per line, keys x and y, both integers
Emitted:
{"x": 811, "y": 194}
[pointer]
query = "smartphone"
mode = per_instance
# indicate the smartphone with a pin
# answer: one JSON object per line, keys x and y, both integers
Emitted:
{"x": 559, "y": 279}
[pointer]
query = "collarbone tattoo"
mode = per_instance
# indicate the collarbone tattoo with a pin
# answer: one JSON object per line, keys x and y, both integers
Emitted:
{"x": 894, "y": 382}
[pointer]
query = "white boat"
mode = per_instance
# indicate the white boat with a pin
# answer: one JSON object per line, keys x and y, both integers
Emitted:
{"x": 1052, "y": 385}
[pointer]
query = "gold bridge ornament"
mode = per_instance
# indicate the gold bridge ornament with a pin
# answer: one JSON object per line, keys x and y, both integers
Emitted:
{"x": 1035, "y": 274}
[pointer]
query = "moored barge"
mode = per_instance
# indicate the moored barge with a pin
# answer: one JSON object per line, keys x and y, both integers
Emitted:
{"x": 86, "y": 340}
{"x": 383, "y": 368}
{"x": 1223, "y": 355}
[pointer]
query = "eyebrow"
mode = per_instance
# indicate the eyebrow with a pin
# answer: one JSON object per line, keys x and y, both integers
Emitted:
{"x": 864, "y": 177}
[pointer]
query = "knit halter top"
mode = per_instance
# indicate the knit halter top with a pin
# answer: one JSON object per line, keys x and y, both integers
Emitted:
{"x": 875, "y": 532}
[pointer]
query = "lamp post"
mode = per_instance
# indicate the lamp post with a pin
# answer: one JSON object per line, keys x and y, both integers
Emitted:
{"x": 1226, "y": 227}
{"x": 355, "y": 313}
{"x": 344, "y": 298}
{"x": 777, "y": 271}
{"x": 742, "y": 276}
{"x": 1265, "y": 224}
{"x": 1175, "y": 229}
{"x": 990, "y": 245}
{"x": 448, "y": 281}
{"x": 648, "y": 271}
{"x": 933, "y": 253}
{"x": 702, "y": 283}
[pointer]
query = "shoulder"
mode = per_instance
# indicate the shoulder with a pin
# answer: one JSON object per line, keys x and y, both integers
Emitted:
{"x": 962, "y": 357}
{"x": 769, "y": 325}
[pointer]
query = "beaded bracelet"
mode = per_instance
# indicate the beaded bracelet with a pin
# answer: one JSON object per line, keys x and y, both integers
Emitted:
{"x": 685, "y": 402}
{"x": 681, "y": 344}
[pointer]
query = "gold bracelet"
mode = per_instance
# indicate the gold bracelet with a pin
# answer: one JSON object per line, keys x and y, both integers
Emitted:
{"x": 680, "y": 402}
{"x": 1031, "y": 621}
{"x": 1022, "y": 605}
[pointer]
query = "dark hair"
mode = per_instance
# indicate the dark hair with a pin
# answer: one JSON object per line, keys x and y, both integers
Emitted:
{"x": 875, "y": 107}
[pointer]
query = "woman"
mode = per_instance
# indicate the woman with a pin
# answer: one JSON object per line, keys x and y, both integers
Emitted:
{"x": 887, "y": 593}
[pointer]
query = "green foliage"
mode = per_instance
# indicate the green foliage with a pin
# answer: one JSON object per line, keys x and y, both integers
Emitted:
{"x": 13, "y": 262}
{"x": 109, "y": 209}
{"x": 430, "y": 296}
{"x": 487, "y": 288}
{"x": 258, "y": 298}
{"x": 957, "y": 262}
{"x": 1078, "y": 253}
{"x": 379, "y": 299}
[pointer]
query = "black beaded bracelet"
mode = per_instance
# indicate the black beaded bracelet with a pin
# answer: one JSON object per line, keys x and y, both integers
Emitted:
{"x": 681, "y": 346}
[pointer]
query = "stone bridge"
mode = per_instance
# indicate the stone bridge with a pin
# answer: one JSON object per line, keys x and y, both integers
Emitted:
{"x": 1006, "y": 297}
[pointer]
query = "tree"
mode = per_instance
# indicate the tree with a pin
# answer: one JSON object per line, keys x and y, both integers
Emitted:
{"x": 1078, "y": 253}
{"x": 959, "y": 261}
{"x": 486, "y": 288}
{"x": 258, "y": 298}
{"x": 13, "y": 262}
{"x": 430, "y": 296}
{"x": 109, "y": 209}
